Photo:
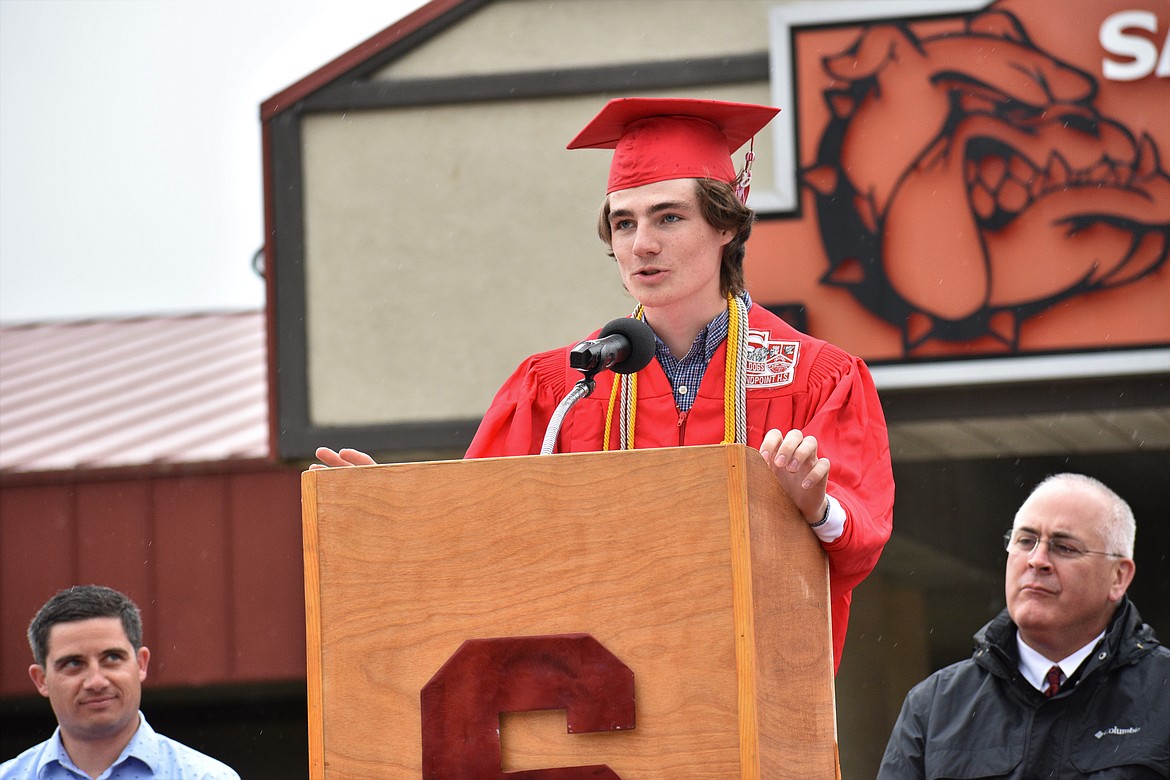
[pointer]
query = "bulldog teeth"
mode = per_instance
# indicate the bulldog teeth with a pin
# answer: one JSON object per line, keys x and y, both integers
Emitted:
{"x": 1057, "y": 174}
{"x": 1146, "y": 163}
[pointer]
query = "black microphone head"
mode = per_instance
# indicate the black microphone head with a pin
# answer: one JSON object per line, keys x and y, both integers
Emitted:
{"x": 641, "y": 344}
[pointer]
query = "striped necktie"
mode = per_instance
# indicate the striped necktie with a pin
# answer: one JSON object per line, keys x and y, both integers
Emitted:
{"x": 1053, "y": 679}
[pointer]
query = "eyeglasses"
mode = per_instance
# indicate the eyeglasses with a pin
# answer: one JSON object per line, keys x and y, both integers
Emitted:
{"x": 1025, "y": 544}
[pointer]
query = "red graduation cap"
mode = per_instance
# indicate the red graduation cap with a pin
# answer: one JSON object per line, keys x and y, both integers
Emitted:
{"x": 657, "y": 139}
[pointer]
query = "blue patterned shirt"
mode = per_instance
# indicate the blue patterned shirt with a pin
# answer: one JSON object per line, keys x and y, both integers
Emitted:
{"x": 148, "y": 756}
{"x": 686, "y": 374}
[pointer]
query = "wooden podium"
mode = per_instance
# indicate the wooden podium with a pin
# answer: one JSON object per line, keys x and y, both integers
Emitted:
{"x": 690, "y": 565}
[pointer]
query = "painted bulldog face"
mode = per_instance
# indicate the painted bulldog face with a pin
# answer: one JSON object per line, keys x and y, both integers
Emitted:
{"x": 967, "y": 181}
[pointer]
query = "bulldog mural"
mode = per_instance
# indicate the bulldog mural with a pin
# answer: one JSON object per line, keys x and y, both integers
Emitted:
{"x": 968, "y": 180}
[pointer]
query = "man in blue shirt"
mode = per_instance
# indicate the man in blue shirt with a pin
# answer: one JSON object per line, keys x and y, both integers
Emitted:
{"x": 90, "y": 664}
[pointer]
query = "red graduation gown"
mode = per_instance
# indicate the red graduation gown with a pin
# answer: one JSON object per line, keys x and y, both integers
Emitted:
{"x": 794, "y": 381}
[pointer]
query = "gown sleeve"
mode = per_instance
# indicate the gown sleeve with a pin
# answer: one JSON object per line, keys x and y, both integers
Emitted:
{"x": 850, "y": 429}
{"x": 516, "y": 421}
{"x": 846, "y": 418}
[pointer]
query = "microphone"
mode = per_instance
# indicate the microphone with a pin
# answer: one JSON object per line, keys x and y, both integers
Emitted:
{"x": 624, "y": 346}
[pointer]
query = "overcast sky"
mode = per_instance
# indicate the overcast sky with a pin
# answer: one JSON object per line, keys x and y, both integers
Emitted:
{"x": 130, "y": 178}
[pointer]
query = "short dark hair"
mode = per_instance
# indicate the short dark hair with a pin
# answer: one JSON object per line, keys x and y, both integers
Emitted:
{"x": 82, "y": 602}
{"x": 723, "y": 210}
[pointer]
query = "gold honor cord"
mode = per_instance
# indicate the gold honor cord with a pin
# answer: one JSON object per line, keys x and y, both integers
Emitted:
{"x": 734, "y": 390}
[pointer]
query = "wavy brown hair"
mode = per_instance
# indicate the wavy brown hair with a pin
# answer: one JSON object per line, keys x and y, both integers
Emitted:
{"x": 723, "y": 210}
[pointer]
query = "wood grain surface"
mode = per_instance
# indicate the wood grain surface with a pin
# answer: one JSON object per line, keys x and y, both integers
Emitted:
{"x": 688, "y": 564}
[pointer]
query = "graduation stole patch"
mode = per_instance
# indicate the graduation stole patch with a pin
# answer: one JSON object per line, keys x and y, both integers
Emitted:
{"x": 770, "y": 363}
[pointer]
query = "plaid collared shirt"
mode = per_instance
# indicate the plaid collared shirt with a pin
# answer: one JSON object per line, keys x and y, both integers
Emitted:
{"x": 686, "y": 374}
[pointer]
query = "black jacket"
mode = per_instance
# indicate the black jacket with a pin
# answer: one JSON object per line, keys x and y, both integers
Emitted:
{"x": 980, "y": 718}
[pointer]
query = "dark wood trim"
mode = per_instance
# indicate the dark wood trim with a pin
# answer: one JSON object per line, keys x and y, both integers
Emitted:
{"x": 287, "y": 267}
{"x": 374, "y": 52}
{"x": 353, "y": 95}
{"x": 444, "y": 440}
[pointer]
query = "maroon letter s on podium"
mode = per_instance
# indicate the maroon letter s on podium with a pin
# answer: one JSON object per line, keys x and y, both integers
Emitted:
{"x": 461, "y": 704}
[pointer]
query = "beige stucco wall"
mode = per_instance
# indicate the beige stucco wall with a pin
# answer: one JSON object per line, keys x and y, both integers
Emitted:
{"x": 461, "y": 238}
{"x": 522, "y": 35}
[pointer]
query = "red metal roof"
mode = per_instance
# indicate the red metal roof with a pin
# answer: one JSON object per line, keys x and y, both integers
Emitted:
{"x": 132, "y": 392}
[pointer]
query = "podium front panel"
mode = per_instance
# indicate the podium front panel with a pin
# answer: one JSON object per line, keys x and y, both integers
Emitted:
{"x": 662, "y": 556}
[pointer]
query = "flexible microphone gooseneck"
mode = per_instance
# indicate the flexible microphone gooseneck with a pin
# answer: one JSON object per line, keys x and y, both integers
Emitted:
{"x": 624, "y": 346}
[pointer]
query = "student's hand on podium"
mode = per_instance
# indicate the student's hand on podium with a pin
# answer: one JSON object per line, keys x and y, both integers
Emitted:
{"x": 804, "y": 475}
{"x": 346, "y": 457}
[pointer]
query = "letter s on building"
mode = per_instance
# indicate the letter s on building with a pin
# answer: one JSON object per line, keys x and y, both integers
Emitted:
{"x": 1116, "y": 38}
